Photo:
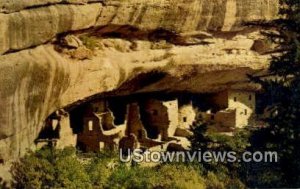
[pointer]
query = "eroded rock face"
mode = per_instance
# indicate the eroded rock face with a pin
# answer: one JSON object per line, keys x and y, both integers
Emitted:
{"x": 36, "y": 82}
{"x": 32, "y": 27}
{"x": 215, "y": 52}
{"x": 9, "y": 6}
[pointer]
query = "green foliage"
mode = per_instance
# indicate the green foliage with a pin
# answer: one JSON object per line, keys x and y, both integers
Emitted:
{"x": 33, "y": 171}
{"x": 207, "y": 140}
{"x": 222, "y": 180}
{"x": 220, "y": 174}
{"x": 214, "y": 182}
{"x": 126, "y": 177}
{"x": 49, "y": 168}
{"x": 282, "y": 95}
{"x": 70, "y": 173}
{"x": 167, "y": 176}
{"x": 180, "y": 176}
{"x": 101, "y": 167}
{"x": 200, "y": 140}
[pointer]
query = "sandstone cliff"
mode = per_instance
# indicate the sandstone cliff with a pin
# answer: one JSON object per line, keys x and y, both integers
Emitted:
{"x": 38, "y": 25}
{"x": 206, "y": 48}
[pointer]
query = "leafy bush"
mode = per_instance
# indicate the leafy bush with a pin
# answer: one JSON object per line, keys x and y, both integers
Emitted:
{"x": 70, "y": 173}
{"x": 282, "y": 96}
{"x": 220, "y": 174}
{"x": 135, "y": 177}
{"x": 49, "y": 168}
{"x": 164, "y": 176}
{"x": 179, "y": 176}
{"x": 101, "y": 167}
{"x": 33, "y": 171}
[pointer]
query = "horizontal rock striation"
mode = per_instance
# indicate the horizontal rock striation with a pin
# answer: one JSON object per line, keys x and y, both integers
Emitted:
{"x": 9, "y": 6}
{"x": 36, "y": 80}
{"x": 32, "y": 27}
{"x": 33, "y": 84}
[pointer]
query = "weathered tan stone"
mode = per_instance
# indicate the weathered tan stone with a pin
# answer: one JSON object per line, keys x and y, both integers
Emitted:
{"x": 9, "y": 6}
{"x": 234, "y": 109}
{"x": 161, "y": 117}
{"x": 186, "y": 15}
{"x": 72, "y": 41}
{"x": 81, "y": 53}
{"x": 36, "y": 82}
{"x": 67, "y": 137}
{"x": 187, "y": 116}
{"x": 36, "y": 26}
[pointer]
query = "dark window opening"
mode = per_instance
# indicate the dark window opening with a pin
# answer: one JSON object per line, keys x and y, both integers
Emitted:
{"x": 50, "y": 130}
{"x": 245, "y": 111}
{"x": 184, "y": 119}
{"x": 81, "y": 146}
{"x": 250, "y": 97}
{"x": 151, "y": 130}
{"x": 212, "y": 117}
{"x": 140, "y": 134}
{"x": 235, "y": 99}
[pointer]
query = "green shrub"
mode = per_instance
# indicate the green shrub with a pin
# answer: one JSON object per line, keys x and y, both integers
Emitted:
{"x": 132, "y": 177}
{"x": 70, "y": 173}
{"x": 32, "y": 171}
{"x": 101, "y": 167}
{"x": 179, "y": 176}
{"x": 167, "y": 176}
{"x": 50, "y": 168}
{"x": 222, "y": 181}
{"x": 213, "y": 182}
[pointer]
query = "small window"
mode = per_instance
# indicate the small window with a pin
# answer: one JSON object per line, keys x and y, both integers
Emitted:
{"x": 212, "y": 117}
{"x": 245, "y": 111}
{"x": 155, "y": 112}
{"x": 184, "y": 119}
{"x": 54, "y": 123}
{"x": 250, "y": 97}
{"x": 234, "y": 99}
{"x": 101, "y": 145}
{"x": 90, "y": 125}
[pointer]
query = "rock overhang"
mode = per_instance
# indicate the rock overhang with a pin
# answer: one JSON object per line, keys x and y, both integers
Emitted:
{"x": 36, "y": 80}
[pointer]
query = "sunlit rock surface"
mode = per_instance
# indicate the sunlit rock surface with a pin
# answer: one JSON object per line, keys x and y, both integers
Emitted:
{"x": 196, "y": 46}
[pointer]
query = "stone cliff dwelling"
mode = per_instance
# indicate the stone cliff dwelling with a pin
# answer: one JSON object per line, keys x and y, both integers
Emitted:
{"x": 60, "y": 55}
{"x": 232, "y": 109}
{"x": 56, "y": 131}
{"x": 149, "y": 123}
